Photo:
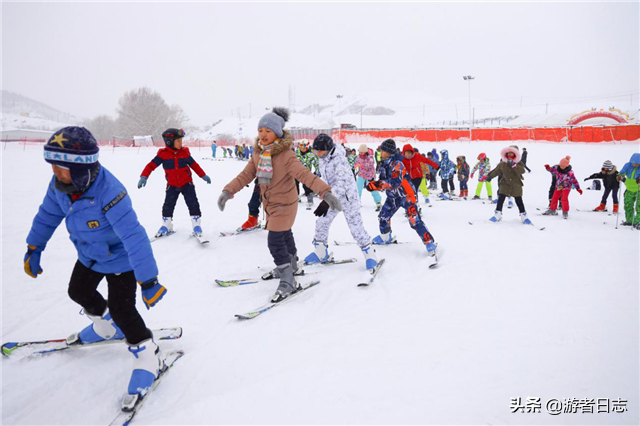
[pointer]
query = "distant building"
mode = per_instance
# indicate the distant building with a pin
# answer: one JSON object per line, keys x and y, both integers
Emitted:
{"x": 17, "y": 135}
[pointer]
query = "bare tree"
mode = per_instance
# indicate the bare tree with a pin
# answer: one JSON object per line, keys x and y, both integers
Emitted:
{"x": 144, "y": 112}
{"x": 103, "y": 127}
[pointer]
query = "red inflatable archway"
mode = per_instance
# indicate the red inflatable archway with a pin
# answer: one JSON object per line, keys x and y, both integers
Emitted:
{"x": 593, "y": 114}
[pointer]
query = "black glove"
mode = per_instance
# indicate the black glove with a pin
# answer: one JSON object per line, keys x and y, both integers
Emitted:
{"x": 322, "y": 209}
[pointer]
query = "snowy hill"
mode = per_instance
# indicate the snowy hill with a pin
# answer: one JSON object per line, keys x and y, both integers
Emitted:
{"x": 21, "y": 112}
{"x": 511, "y": 312}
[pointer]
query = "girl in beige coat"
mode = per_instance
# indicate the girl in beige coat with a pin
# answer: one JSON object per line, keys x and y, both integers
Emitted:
{"x": 277, "y": 167}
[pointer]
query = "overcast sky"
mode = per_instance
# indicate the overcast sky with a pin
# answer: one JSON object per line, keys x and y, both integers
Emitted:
{"x": 213, "y": 57}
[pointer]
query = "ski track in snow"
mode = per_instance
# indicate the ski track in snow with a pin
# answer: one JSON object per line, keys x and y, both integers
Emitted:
{"x": 509, "y": 312}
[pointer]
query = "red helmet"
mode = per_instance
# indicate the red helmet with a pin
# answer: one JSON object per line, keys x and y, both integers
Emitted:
{"x": 482, "y": 156}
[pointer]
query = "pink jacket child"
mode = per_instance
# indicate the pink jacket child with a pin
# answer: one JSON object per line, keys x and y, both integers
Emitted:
{"x": 565, "y": 180}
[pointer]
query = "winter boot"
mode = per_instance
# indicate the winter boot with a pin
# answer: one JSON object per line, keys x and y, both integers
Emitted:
{"x": 251, "y": 223}
{"x": 431, "y": 248}
{"x": 524, "y": 219}
{"x": 195, "y": 223}
{"x": 625, "y": 223}
{"x": 493, "y": 201}
{"x": 550, "y": 212}
{"x": 615, "y": 208}
{"x": 637, "y": 226}
{"x": 166, "y": 228}
{"x": 461, "y": 193}
{"x": 445, "y": 196}
{"x": 320, "y": 254}
{"x": 475, "y": 197}
{"x": 379, "y": 206}
{"x": 371, "y": 261}
{"x": 103, "y": 328}
{"x": 288, "y": 284}
{"x": 601, "y": 208}
{"x": 565, "y": 215}
{"x": 497, "y": 217}
{"x": 147, "y": 364}
{"x": 384, "y": 239}
{"x": 426, "y": 200}
{"x": 510, "y": 205}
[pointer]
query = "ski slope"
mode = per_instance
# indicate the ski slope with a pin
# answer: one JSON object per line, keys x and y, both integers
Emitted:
{"x": 511, "y": 311}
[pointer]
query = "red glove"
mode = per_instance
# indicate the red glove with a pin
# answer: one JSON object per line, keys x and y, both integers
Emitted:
{"x": 471, "y": 175}
{"x": 374, "y": 185}
{"x": 546, "y": 166}
{"x": 579, "y": 191}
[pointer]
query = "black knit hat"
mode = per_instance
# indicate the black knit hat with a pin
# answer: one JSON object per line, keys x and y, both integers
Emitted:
{"x": 76, "y": 149}
{"x": 323, "y": 142}
{"x": 388, "y": 146}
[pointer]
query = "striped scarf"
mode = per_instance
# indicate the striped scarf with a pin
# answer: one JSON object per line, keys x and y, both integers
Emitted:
{"x": 265, "y": 167}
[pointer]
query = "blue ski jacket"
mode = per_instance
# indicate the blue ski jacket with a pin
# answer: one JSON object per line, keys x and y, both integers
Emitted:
{"x": 101, "y": 224}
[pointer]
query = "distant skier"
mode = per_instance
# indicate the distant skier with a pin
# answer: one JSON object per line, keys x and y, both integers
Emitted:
{"x": 110, "y": 243}
{"x": 433, "y": 181}
{"x": 214, "y": 147}
{"x": 394, "y": 179}
{"x": 630, "y": 175}
{"x": 366, "y": 172}
{"x": 310, "y": 161}
{"x": 447, "y": 170}
{"x": 413, "y": 162}
{"x": 525, "y": 154}
{"x": 510, "y": 169}
{"x": 609, "y": 176}
{"x": 483, "y": 166}
{"x": 336, "y": 171}
{"x": 462, "y": 168}
{"x": 276, "y": 166}
{"x": 565, "y": 180}
{"x": 176, "y": 161}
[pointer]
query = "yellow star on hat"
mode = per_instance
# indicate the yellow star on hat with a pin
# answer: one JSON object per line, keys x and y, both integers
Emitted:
{"x": 59, "y": 138}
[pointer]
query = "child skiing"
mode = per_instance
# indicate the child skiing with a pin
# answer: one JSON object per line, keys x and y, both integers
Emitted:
{"x": 630, "y": 175}
{"x": 609, "y": 176}
{"x": 176, "y": 161}
{"x": 565, "y": 180}
{"x": 413, "y": 162}
{"x": 483, "y": 166}
{"x": 110, "y": 243}
{"x": 400, "y": 193}
{"x": 310, "y": 161}
{"x": 276, "y": 166}
{"x": 510, "y": 169}
{"x": 447, "y": 170}
{"x": 336, "y": 171}
{"x": 366, "y": 172}
{"x": 463, "y": 175}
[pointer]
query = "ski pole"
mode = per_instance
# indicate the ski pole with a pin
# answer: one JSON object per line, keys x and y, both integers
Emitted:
{"x": 618, "y": 212}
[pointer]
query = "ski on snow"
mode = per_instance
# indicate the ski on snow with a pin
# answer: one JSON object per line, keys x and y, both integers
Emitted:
{"x": 125, "y": 417}
{"x": 202, "y": 240}
{"x": 350, "y": 243}
{"x": 264, "y": 308}
{"x": 164, "y": 236}
{"x": 528, "y": 224}
{"x": 48, "y": 346}
{"x": 373, "y": 275}
{"x": 240, "y": 231}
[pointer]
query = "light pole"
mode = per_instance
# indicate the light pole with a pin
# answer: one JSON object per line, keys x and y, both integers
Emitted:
{"x": 469, "y": 78}
{"x": 340, "y": 118}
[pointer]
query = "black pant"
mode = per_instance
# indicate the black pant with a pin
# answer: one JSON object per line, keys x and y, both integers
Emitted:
{"x": 254, "y": 202}
{"x": 519, "y": 203}
{"x": 463, "y": 184}
{"x": 453, "y": 188}
{"x": 416, "y": 184}
{"x": 122, "y": 299}
{"x": 282, "y": 246}
{"x": 188, "y": 191}
{"x": 606, "y": 195}
{"x": 444, "y": 183}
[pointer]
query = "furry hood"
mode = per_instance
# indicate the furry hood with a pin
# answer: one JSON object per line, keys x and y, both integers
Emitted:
{"x": 503, "y": 154}
{"x": 286, "y": 141}
{"x": 613, "y": 171}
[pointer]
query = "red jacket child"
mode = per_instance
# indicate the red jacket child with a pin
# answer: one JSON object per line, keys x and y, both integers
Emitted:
{"x": 412, "y": 164}
{"x": 176, "y": 163}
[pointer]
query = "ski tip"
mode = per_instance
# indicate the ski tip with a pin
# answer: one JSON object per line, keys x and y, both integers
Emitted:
{"x": 8, "y": 348}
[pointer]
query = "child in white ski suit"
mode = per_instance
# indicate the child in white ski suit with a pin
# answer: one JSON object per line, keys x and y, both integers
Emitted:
{"x": 336, "y": 171}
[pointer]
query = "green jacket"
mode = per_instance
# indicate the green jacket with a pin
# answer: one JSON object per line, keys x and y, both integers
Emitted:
{"x": 511, "y": 182}
{"x": 309, "y": 159}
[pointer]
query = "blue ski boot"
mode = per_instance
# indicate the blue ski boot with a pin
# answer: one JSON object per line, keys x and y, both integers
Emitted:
{"x": 195, "y": 223}
{"x": 370, "y": 258}
{"x": 166, "y": 228}
{"x": 320, "y": 253}
{"x": 384, "y": 239}
{"x": 525, "y": 219}
{"x": 147, "y": 364}
{"x": 103, "y": 328}
{"x": 497, "y": 217}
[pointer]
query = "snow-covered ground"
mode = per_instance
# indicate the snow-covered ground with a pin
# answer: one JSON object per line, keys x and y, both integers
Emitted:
{"x": 511, "y": 312}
